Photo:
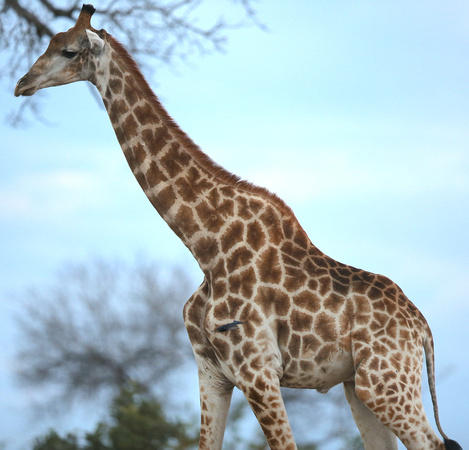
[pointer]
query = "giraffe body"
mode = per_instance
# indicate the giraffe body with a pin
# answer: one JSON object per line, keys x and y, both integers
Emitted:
{"x": 273, "y": 310}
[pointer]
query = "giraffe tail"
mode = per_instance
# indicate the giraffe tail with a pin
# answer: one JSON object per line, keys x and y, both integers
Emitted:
{"x": 430, "y": 362}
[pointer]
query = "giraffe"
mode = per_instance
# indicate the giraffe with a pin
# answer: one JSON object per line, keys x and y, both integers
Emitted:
{"x": 272, "y": 310}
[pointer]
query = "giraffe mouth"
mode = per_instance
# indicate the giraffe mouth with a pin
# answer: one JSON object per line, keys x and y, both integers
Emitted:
{"x": 26, "y": 93}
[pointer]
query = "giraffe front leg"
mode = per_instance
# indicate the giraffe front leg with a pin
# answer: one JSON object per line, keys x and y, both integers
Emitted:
{"x": 374, "y": 434}
{"x": 266, "y": 401}
{"x": 215, "y": 402}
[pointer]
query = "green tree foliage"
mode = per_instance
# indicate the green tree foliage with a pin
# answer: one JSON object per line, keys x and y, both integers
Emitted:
{"x": 137, "y": 422}
{"x": 54, "y": 442}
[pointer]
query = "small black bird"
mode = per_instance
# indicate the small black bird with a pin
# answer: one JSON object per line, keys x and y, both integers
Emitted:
{"x": 228, "y": 326}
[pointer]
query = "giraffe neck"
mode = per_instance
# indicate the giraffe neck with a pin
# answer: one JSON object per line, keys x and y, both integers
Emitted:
{"x": 210, "y": 209}
{"x": 180, "y": 181}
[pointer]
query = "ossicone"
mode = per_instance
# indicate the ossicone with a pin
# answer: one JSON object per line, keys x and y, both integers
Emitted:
{"x": 90, "y": 9}
{"x": 84, "y": 19}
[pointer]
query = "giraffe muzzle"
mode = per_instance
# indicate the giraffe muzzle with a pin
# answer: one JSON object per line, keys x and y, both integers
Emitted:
{"x": 25, "y": 87}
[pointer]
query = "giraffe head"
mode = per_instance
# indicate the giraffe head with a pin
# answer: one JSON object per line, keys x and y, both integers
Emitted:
{"x": 70, "y": 57}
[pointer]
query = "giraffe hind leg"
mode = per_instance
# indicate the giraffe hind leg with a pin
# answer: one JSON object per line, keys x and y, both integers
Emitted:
{"x": 374, "y": 434}
{"x": 398, "y": 406}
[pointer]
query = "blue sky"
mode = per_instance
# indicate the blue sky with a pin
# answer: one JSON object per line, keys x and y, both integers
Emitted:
{"x": 356, "y": 113}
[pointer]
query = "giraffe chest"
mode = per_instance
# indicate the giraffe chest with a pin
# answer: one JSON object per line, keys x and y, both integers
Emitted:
{"x": 303, "y": 348}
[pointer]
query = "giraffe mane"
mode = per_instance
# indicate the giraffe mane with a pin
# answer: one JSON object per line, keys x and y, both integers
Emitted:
{"x": 202, "y": 158}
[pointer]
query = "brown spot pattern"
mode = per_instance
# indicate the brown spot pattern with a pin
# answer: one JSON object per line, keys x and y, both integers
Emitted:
{"x": 269, "y": 266}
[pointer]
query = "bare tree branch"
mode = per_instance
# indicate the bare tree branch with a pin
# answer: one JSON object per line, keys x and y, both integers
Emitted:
{"x": 41, "y": 28}
{"x": 60, "y": 12}
{"x": 102, "y": 325}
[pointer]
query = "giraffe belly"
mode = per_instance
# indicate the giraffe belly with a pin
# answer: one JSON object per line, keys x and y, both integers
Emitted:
{"x": 321, "y": 371}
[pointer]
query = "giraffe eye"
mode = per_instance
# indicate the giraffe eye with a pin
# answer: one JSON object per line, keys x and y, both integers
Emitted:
{"x": 68, "y": 54}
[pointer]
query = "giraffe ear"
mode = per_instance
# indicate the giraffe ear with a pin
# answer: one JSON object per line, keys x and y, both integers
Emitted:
{"x": 97, "y": 44}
